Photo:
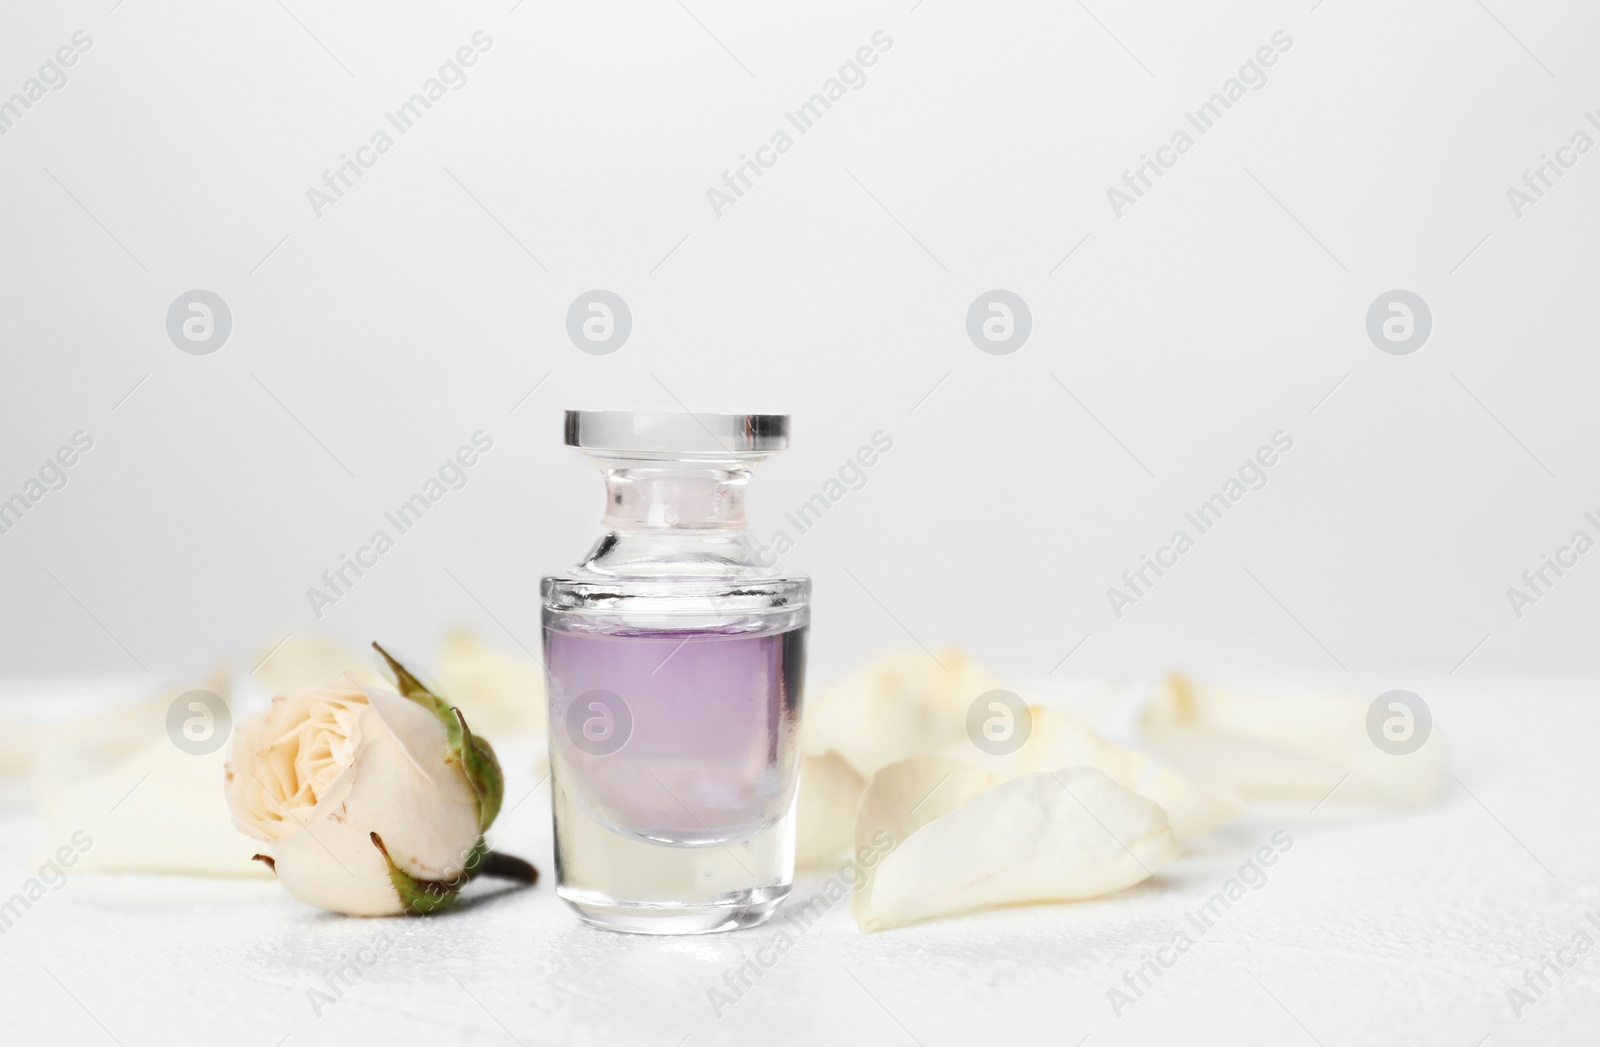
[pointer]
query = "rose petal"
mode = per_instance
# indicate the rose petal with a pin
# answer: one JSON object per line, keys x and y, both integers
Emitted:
{"x": 117, "y": 790}
{"x": 311, "y": 660}
{"x": 899, "y": 705}
{"x": 1286, "y": 746}
{"x": 502, "y": 692}
{"x": 265, "y": 792}
{"x": 961, "y": 843}
{"x": 157, "y": 811}
{"x": 1193, "y": 810}
{"x": 1058, "y": 739}
{"x": 421, "y": 738}
{"x": 337, "y": 870}
{"x": 830, "y": 791}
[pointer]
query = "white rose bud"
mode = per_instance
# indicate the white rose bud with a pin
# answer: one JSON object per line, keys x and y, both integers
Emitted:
{"x": 368, "y": 802}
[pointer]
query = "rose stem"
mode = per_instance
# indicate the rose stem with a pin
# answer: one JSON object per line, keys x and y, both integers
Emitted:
{"x": 509, "y": 867}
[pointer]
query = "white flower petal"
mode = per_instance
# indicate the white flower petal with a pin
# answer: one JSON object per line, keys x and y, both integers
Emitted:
{"x": 1286, "y": 746}
{"x": 899, "y": 705}
{"x": 311, "y": 660}
{"x": 1058, "y": 739}
{"x": 829, "y": 794}
{"x": 501, "y": 691}
{"x": 147, "y": 806}
{"x": 1065, "y": 835}
{"x": 156, "y": 811}
{"x": 321, "y": 770}
{"x": 263, "y": 787}
{"x": 428, "y": 826}
{"x": 422, "y": 739}
{"x": 337, "y": 870}
{"x": 1193, "y": 810}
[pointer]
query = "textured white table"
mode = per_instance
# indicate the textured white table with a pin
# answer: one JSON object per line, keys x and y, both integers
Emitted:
{"x": 1374, "y": 927}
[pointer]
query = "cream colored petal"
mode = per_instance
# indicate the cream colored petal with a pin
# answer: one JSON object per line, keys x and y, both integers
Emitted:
{"x": 424, "y": 809}
{"x": 423, "y": 741}
{"x": 55, "y": 754}
{"x": 263, "y": 788}
{"x": 116, "y": 790}
{"x": 60, "y": 754}
{"x": 1058, "y": 739}
{"x": 829, "y": 794}
{"x": 1056, "y": 836}
{"x": 20, "y": 742}
{"x": 158, "y": 810}
{"x": 338, "y": 869}
{"x": 1258, "y": 770}
{"x": 501, "y": 691}
{"x": 427, "y": 820}
{"x": 902, "y": 705}
{"x": 899, "y": 705}
{"x": 311, "y": 660}
{"x": 1286, "y": 746}
{"x": 902, "y": 798}
{"x": 1193, "y": 810}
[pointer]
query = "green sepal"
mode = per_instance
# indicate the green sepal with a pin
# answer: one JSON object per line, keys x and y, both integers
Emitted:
{"x": 475, "y": 755}
{"x": 483, "y": 771}
{"x": 418, "y": 692}
{"x": 421, "y": 897}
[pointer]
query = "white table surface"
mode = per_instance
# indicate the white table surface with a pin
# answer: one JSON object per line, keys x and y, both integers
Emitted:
{"x": 1375, "y": 927}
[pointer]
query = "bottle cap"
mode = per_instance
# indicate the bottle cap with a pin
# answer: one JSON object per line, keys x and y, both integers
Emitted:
{"x": 655, "y": 434}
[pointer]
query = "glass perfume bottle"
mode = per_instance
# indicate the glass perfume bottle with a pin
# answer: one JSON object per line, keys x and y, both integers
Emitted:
{"x": 675, "y": 661}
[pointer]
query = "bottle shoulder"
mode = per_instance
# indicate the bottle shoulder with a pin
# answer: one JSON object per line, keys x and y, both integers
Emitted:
{"x": 673, "y": 557}
{"x": 584, "y": 605}
{"x": 675, "y": 580}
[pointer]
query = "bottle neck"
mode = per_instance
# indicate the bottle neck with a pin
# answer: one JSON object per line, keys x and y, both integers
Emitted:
{"x": 675, "y": 498}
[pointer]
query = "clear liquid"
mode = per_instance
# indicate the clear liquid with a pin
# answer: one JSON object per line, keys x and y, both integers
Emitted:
{"x": 673, "y": 763}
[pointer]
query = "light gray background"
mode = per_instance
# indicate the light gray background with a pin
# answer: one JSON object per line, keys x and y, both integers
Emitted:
{"x": 371, "y": 342}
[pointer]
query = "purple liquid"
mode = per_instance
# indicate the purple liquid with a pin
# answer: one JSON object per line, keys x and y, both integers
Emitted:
{"x": 698, "y": 746}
